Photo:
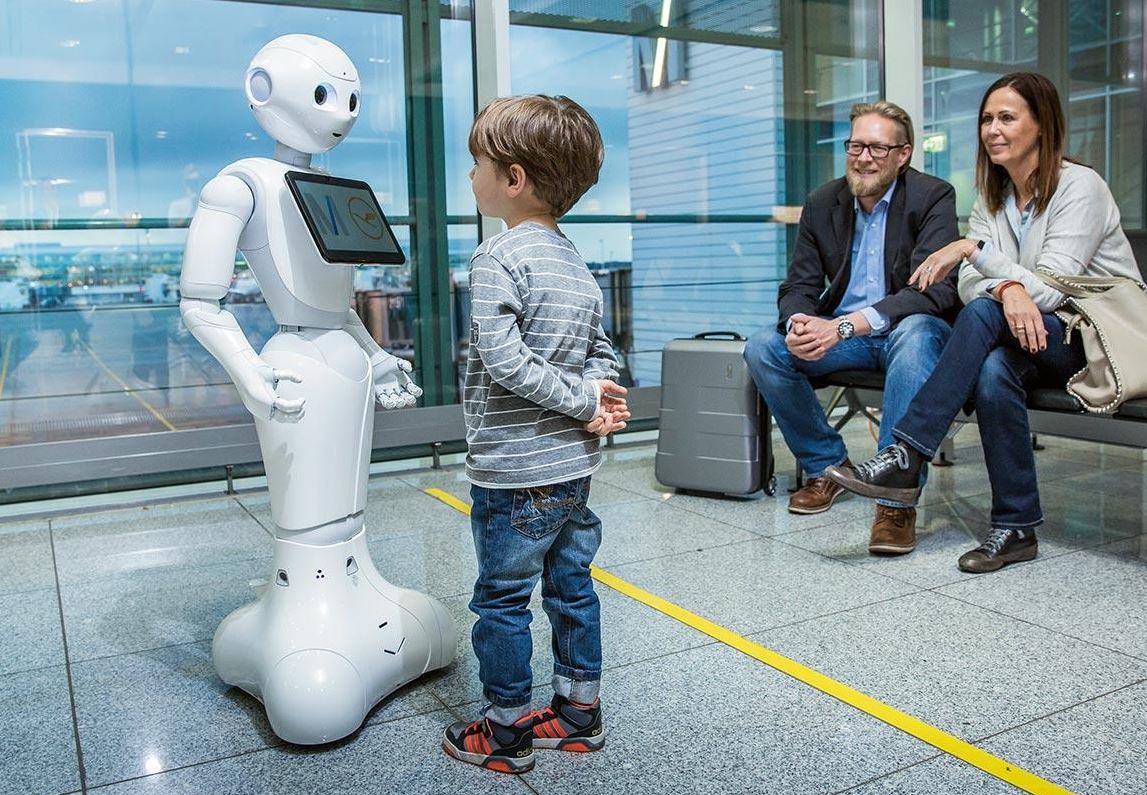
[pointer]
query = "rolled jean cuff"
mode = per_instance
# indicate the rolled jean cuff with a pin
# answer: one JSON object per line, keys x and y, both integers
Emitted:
{"x": 929, "y": 452}
{"x": 580, "y": 691}
{"x": 505, "y": 715}
{"x": 1018, "y": 525}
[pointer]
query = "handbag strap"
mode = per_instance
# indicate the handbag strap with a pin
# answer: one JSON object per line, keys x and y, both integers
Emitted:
{"x": 1081, "y": 286}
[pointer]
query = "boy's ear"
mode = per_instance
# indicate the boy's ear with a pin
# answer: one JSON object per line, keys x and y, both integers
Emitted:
{"x": 517, "y": 180}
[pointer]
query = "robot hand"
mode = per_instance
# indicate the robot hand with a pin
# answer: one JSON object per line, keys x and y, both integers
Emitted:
{"x": 258, "y": 388}
{"x": 392, "y": 385}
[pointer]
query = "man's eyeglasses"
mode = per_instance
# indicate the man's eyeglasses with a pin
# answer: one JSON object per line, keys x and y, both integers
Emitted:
{"x": 878, "y": 151}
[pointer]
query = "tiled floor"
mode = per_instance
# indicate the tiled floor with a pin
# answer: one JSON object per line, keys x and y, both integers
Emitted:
{"x": 107, "y": 617}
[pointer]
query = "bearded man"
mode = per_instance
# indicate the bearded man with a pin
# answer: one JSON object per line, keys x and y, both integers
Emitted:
{"x": 846, "y": 305}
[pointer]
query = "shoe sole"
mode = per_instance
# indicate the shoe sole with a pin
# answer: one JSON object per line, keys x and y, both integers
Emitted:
{"x": 577, "y": 745}
{"x": 909, "y": 496}
{"x": 811, "y": 511}
{"x": 890, "y": 549}
{"x": 1003, "y": 560}
{"x": 499, "y": 764}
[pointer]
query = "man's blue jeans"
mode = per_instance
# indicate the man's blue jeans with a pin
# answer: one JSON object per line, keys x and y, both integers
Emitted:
{"x": 984, "y": 362}
{"x": 521, "y": 535}
{"x": 907, "y": 355}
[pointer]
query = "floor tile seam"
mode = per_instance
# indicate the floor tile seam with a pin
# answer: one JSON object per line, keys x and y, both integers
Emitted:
{"x": 80, "y": 770}
{"x": 750, "y": 633}
{"x": 858, "y": 785}
{"x": 25, "y": 591}
{"x": 188, "y": 766}
{"x": 1053, "y": 713}
{"x": 1038, "y": 625}
{"x": 59, "y": 513}
{"x": 138, "y": 652}
{"x": 250, "y": 513}
{"x": 691, "y": 551}
{"x": 72, "y": 585}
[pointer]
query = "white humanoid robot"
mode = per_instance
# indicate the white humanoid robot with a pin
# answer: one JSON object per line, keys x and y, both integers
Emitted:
{"x": 328, "y": 637}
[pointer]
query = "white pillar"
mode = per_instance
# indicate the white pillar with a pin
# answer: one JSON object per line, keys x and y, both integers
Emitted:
{"x": 491, "y": 66}
{"x": 904, "y": 63}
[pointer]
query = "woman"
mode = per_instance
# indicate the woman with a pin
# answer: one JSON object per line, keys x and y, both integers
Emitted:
{"x": 1036, "y": 211}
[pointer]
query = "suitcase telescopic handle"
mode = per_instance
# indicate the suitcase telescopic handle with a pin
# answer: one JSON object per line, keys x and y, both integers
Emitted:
{"x": 710, "y": 335}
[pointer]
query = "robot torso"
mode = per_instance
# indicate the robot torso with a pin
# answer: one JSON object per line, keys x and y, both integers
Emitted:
{"x": 299, "y": 286}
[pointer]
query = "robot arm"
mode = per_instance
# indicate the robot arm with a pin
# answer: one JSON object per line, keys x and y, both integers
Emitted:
{"x": 225, "y": 206}
{"x": 393, "y": 387}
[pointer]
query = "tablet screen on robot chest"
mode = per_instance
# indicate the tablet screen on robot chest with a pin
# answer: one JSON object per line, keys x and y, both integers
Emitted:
{"x": 344, "y": 219}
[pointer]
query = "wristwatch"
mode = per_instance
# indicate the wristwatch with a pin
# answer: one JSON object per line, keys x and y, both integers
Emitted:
{"x": 845, "y": 329}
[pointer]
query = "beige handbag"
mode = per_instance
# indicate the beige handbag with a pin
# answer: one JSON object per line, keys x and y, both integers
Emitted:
{"x": 1110, "y": 313}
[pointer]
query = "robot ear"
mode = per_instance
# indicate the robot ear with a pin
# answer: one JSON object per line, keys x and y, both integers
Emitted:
{"x": 258, "y": 86}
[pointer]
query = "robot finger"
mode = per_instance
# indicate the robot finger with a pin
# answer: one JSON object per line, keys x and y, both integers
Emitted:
{"x": 414, "y": 390}
{"x": 287, "y": 375}
{"x": 404, "y": 365}
{"x": 288, "y": 406}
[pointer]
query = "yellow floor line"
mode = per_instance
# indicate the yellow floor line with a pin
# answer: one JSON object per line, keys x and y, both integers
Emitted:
{"x": 948, "y": 743}
{"x": 127, "y": 389}
{"x": 4, "y": 365}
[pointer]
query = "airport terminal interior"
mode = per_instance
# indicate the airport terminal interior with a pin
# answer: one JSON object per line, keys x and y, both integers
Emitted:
{"x": 746, "y": 648}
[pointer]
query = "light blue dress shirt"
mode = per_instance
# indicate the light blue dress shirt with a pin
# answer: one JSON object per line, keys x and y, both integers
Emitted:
{"x": 866, "y": 281}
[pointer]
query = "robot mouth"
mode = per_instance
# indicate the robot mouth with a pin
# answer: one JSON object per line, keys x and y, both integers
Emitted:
{"x": 337, "y": 135}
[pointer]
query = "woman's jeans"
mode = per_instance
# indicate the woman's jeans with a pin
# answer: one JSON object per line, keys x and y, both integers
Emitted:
{"x": 521, "y": 535}
{"x": 983, "y": 363}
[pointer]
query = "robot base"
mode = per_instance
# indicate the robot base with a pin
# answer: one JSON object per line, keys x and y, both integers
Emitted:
{"x": 328, "y": 639}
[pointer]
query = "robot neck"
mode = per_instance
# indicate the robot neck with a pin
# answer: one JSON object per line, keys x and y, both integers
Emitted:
{"x": 293, "y": 157}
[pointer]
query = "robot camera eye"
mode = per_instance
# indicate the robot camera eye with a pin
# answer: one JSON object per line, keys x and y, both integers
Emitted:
{"x": 353, "y": 102}
{"x": 320, "y": 95}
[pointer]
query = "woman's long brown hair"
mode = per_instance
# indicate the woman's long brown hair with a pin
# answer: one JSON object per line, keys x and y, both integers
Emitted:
{"x": 1043, "y": 102}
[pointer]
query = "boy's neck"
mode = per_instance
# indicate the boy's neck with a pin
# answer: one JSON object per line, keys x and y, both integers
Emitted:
{"x": 545, "y": 219}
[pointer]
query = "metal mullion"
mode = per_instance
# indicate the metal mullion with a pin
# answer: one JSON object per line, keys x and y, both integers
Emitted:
{"x": 374, "y": 6}
{"x": 89, "y": 224}
{"x": 426, "y": 144}
{"x": 535, "y": 20}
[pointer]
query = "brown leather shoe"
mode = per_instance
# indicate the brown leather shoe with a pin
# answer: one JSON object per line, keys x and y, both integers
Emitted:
{"x": 817, "y": 495}
{"x": 893, "y": 531}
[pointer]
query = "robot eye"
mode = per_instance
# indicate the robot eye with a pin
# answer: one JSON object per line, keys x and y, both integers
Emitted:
{"x": 320, "y": 95}
{"x": 353, "y": 102}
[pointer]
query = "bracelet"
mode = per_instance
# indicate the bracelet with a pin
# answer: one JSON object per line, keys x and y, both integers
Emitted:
{"x": 1004, "y": 286}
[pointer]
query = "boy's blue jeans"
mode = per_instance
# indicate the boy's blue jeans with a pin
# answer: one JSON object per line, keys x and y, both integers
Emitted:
{"x": 521, "y": 535}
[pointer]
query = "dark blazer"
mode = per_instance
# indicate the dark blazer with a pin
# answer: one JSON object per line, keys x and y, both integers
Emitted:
{"x": 921, "y": 219}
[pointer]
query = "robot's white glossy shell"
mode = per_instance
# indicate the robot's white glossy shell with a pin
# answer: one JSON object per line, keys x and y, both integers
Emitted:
{"x": 280, "y": 88}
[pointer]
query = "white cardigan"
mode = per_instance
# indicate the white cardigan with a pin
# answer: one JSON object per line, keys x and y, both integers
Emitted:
{"x": 1078, "y": 235}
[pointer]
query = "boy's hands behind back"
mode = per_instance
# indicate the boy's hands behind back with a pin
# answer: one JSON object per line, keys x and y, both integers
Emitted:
{"x": 612, "y": 411}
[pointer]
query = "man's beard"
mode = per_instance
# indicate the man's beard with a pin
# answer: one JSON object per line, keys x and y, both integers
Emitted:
{"x": 863, "y": 185}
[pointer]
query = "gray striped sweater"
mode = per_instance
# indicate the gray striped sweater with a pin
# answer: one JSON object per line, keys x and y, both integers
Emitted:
{"x": 536, "y": 344}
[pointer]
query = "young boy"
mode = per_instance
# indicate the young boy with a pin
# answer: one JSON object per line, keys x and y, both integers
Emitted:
{"x": 539, "y": 392}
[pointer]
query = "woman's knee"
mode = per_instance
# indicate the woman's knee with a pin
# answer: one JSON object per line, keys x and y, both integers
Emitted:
{"x": 997, "y": 376}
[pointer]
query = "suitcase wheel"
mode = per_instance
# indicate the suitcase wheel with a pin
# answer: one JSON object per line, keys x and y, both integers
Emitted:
{"x": 771, "y": 486}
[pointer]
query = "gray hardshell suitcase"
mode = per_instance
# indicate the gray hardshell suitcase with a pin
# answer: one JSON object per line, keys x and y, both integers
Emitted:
{"x": 714, "y": 428}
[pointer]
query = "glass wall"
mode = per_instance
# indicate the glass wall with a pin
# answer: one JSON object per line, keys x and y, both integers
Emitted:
{"x": 1091, "y": 49}
{"x": 116, "y": 114}
{"x": 718, "y": 117}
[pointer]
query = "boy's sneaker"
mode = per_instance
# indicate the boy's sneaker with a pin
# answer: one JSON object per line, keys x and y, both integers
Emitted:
{"x": 506, "y": 749}
{"x": 566, "y": 726}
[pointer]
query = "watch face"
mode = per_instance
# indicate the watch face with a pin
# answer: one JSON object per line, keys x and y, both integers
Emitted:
{"x": 845, "y": 329}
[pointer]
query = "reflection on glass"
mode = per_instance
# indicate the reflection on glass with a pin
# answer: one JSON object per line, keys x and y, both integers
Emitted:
{"x": 698, "y": 154}
{"x": 120, "y": 112}
{"x": 968, "y": 45}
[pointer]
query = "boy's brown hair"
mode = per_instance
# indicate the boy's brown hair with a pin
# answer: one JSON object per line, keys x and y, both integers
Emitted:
{"x": 555, "y": 141}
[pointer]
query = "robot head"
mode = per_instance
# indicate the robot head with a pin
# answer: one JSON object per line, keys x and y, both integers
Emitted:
{"x": 304, "y": 91}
